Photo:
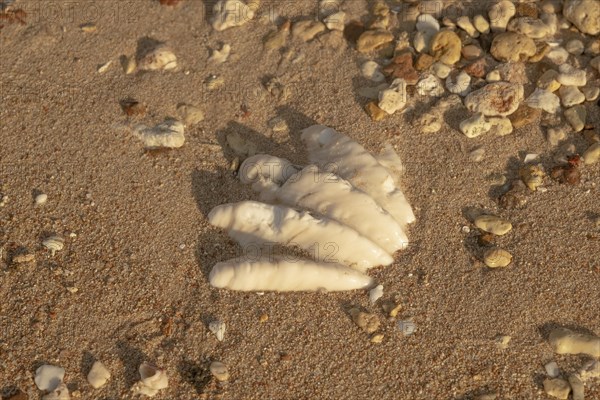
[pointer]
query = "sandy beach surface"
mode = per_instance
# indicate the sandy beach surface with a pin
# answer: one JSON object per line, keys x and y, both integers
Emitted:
{"x": 138, "y": 247}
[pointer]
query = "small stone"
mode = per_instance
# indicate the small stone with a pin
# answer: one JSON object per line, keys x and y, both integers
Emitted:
{"x": 591, "y": 93}
{"x": 502, "y": 342}
{"x": 394, "y": 98}
{"x": 558, "y": 388}
{"x": 493, "y": 76}
{"x": 575, "y": 47}
{"x": 402, "y": 67}
{"x": 430, "y": 85}
{"x": 531, "y": 27}
{"x": 493, "y": 224}
{"x": 441, "y": 70}
{"x": 477, "y": 154}
{"x": 558, "y": 55}
{"x": 430, "y": 123}
{"x": 88, "y": 27}
{"x": 54, "y": 244}
{"x": 102, "y": 68}
{"x": 532, "y": 176}
{"x": 98, "y": 375}
{"x": 446, "y": 47}
{"x": 549, "y": 81}
{"x": 495, "y": 99}
{"x": 218, "y": 328}
{"x": 556, "y": 135}
{"x": 471, "y": 52}
{"x": 220, "y": 56}
{"x": 263, "y": 318}
{"x": 278, "y": 124}
{"x": 584, "y": 14}
{"x": 427, "y": 22}
{"x": 49, "y": 377}
{"x": 552, "y": 369}
{"x": 592, "y": 49}
{"x": 72, "y": 289}
{"x": 464, "y": 22}
{"x": 307, "y": 30}
{"x": 475, "y": 126}
{"x": 41, "y": 199}
{"x": 377, "y": 338}
{"x": 373, "y": 110}
{"x": 371, "y": 70}
{"x": 524, "y": 116}
{"x": 481, "y": 24}
{"x": 571, "y": 76}
{"x": 500, "y": 13}
{"x": 592, "y": 154}
{"x": 375, "y": 294}
{"x": 577, "y": 387}
{"x": 461, "y": 85}
{"x": 190, "y": 114}
{"x": 168, "y": 134}
{"x": 219, "y": 371}
{"x": 365, "y": 321}
{"x": 576, "y": 117}
{"x": 424, "y": 61}
{"x": 372, "y": 40}
{"x": 159, "y": 58}
{"x": 544, "y": 100}
{"x": 422, "y": 40}
{"x": 391, "y": 308}
{"x": 231, "y": 13}
{"x": 512, "y": 46}
{"x": 571, "y": 96}
{"x": 501, "y": 126}
{"x": 335, "y": 21}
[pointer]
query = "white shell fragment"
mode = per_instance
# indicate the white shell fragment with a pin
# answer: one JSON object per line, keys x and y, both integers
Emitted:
{"x": 61, "y": 392}
{"x": 167, "y": 134}
{"x": 375, "y": 294}
{"x": 153, "y": 380}
{"x": 250, "y": 222}
{"x": 565, "y": 341}
{"x": 49, "y": 377}
{"x": 159, "y": 58}
{"x": 334, "y": 151}
{"x": 98, "y": 375}
{"x": 279, "y": 274}
{"x": 54, "y": 244}
{"x": 218, "y": 328}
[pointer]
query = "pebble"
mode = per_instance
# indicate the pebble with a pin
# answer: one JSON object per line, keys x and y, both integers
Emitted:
{"x": 524, "y": 116}
{"x": 218, "y": 328}
{"x": 102, "y": 68}
{"x": 422, "y": 40}
{"x": 477, "y": 155}
{"x": 571, "y": 96}
{"x": 501, "y": 126}
{"x": 59, "y": 393}
{"x": 475, "y": 126}
{"x": 531, "y": 27}
{"x": 54, "y": 244}
{"x": 391, "y": 308}
{"x": 375, "y": 294}
{"x": 576, "y": 117}
{"x": 575, "y": 47}
{"x": 592, "y": 154}
{"x": 558, "y": 388}
{"x": 565, "y": 341}
{"x": 430, "y": 85}
{"x": 593, "y": 47}
{"x": 481, "y": 24}
{"x": 371, "y": 70}
{"x": 335, "y": 22}
{"x": 460, "y": 85}
{"x": 471, "y": 52}
{"x": 584, "y": 14}
{"x": 558, "y": 55}
{"x": 23, "y": 258}
{"x": 152, "y": 380}
{"x": 493, "y": 76}
{"x": 394, "y": 98}
{"x": 190, "y": 114}
{"x": 512, "y": 46}
{"x": 464, "y": 22}
{"x": 220, "y": 56}
{"x": 88, "y": 27}
{"x": 549, "y": 81}
{"x": 372, "y": 40}
{"x": 556, "y": 135}
{"x": 402, "y": 67}
{"x": 307, "y": 30}
{"x": 424, "y": 61}
{"x": 427, "y": 22}
{"x": 365, "y": 321}
{"x": 377, "y": 338}
{"x": 577, "y": 387}
{"x": 41, "y": 199}
{"x": 278, "y": 124}
{"x": 552, "y": 369}
{"x": 430, "y": 123}
{"x": 168, "y": 134}
{"x": 98, "y": 375}
{"x": 495, "y": 99}
{"x": 49, "y": 377}
{"x": 497, "y": 258}
{"x": 373, "y": 110}
{"x": 595, "y": 63}
{"x": 441, "y": 70}
{"x": 502, "y": 342}
{"x": 591, "y": 93}
{"x": 571, "y": 76}
{"x": 157, "y": 59}
{"x": 500, "y": 13}
{"x": 493, "y": 224}
{"x": 544, "y": 100}
{"x": 230, "y": 13}
{"x": 219, "y": 371}
{"x": 446, "y": 47}
{"x": 532, "y": 176}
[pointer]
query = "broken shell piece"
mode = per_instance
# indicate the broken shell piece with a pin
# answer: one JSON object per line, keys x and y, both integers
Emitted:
{"x": 60, "y": 393}
{"x": 231, "y": 13}
{"x": 218, "y": 328}
{"x": 159, "y": 58}
{"x": 103, "y": 67}
{"x": 153, "y": 380}
{"x": 54, "y": 244}
{"x": 565, "y": 341}
{"x": 190, "y": 114}
{"x": 532, "y": 176}
{"x": 49, "y": 377}
{"x": 280, "y": 274}
{"x": 254, "y": 223}
{"x": 393, "y": 98}
{"x": 219, "y": 371}
{"x": 375, "y": 294}
{"x": 98, "y": 375}
{"x": 220, "y": 56}
{"x": 167, "y": 134}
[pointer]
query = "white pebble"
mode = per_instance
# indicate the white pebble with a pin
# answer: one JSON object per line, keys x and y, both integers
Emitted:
{"x": 427, "y": 22}
{"x": 430, "y": 85}
{"x": 41, "y": 198}
{"x": 371, "y": 70}
{"x": 393, "y": 98}
{"x": 219, "y": 371}
{"x": 48, "y": 377}
{"x": 460, "y": 86}
{"x": 475, "y": 156}
{"x": 575, "y": 47}
{"x": 558, "y": 55}
{"x": 441, "y": 70}
{"x": 152, "y": 380}
{"x": 98, "y": 375}
{"x": 552, "y": 369}
{"x": 571, "y": 76}
{"x": 375, "y": 293}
